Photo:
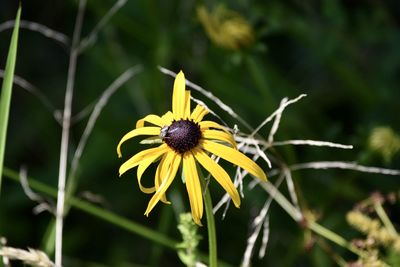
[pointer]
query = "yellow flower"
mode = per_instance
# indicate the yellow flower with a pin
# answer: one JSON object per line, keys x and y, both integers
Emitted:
{"x": 185, "y": 138}
{"x": 226, "y": 27}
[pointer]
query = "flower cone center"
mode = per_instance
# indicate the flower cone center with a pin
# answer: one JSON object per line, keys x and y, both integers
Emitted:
{"x": 182, "y": 135}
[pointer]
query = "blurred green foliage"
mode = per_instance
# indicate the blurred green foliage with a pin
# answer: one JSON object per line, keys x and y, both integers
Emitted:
{"x": 344, "y": 54}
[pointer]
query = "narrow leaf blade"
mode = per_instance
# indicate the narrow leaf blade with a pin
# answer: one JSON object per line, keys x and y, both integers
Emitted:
{"x": 6, "y": 89}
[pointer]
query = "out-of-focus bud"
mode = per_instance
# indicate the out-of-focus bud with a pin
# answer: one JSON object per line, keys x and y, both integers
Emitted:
{"x": 226, "y": 28}
{"x": 384, "y": 141}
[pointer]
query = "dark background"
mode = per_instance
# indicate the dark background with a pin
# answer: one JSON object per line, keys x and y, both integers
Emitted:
{"x": 343, "y": 54}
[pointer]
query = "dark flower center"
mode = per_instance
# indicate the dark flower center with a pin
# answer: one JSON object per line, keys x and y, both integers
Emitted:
{"x": 182, "y": 135}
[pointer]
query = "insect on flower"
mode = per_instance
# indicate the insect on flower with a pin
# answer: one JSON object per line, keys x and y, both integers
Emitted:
{"x": 164, "y": 132}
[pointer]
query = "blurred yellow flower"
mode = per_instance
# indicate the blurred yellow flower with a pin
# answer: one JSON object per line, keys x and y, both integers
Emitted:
{"x": 185, "y": 138}
{"x": 226, "y": 28}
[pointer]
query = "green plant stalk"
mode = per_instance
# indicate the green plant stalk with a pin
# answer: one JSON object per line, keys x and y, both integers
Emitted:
{"x": 385, "y": 219}
{"x": 313, "y": 226}
{"x": 100, "y": 213}
{"x": 212, "y": 237}
{"x": 332, "y": 236}
{"x": 107, "y": 216}
{"x": 6, "y": 89}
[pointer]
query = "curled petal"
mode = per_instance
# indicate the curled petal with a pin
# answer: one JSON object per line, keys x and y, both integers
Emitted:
{"x": 193, "y": 187}
{"x": 139, "y": 157}
{"x": 219, "y": 174}
{"x": 161, "y": 172}
{"x": 236, "y": 157}
{"x": 144, "y": 164}
{"x": 153, "y": 119}
{"x": 137, "y": 132}
{"x": 166, "y": 182}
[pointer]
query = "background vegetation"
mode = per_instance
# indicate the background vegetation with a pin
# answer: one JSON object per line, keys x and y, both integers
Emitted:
{"x": 343, "y": 54}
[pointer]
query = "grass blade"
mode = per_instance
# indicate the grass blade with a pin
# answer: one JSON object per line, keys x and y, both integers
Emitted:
{"x": 6, "y": 90}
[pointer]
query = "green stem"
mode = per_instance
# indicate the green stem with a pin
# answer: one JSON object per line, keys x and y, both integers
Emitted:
{"x": 107, "y": 216}
{"x": 332, "y": 236}
{"x": 384, "y": 218}
{"x": 100, "y": 213}
{"x": 212, "y": 237}
{"x": 313, "y": 226}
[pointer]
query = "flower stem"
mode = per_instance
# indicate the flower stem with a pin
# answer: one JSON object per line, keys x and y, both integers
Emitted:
{"x": 384, "y": 218}
{"x": 212, "y": 237}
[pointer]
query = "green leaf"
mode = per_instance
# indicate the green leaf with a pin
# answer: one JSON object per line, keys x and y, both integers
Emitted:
{"x": 6, "y": 90}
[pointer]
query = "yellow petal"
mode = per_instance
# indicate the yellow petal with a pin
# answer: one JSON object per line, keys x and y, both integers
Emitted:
{"x": 178, "y": 96}
{"x": 144, "y": 164}
{"x": 165, "y": 183}
{"x": 221, "y": 136}
{"x": 139, "y": 157}
{"x": 211, "y": 124}
{"x": 153, "y": 119}
{"x": 235, "y": 157}
{"x": 198, "y": 113}
{"x": 193, "y": 187}
{"x": 186, "y": 114}
{"x": 137, "y": 132}
{"x": 219, "y": 174}
{"x": 158, "y": 180}
{"x": 167, "y": 118}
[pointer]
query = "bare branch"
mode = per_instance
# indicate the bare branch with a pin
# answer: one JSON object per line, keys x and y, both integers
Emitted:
{"x": 199, "y": 102}
{"x": 257, "y": 225}
{"x": 210, "y": 96}
{"x": 65, "y": 132}
{"x": 92, "y": 37}
{"x": 43, "y": 204}
{"x": 343, "y": 165}
{"x": 257, "y": 141}
{"x": 100, "y": 104}
{"x": 277, "y": 120}
{"x": 24, "y": 84}
{"x": 311, "y": 143}
{"x": 276, "y": 113}
{"x": 290, "y": 186}
{"x": 40, "y": 28}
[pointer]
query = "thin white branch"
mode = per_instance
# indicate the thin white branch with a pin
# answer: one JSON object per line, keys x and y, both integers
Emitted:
{"x": 199, "y": 102}
{"x": 43, "y": 205}
{"x": 291, "y": 188}
{"x": 265, "y": 238}
{"x": 37, "y": 27}
{"x": 24, "y": 84}
{"x": 257, "y": 225}
{"x": 311, "y": 143}
{"x": 343, "y": 165}
{"x": 100, "y": 104}
{"x": 258, "y": 150}
{"x": 276, "y": 113}
{"x": 257, "y": 141}
{"x": 65, "y": 132}
{"x": 92, "y": 37}
{"x": 210, "y": 96}
{"x": 277, "y": 120}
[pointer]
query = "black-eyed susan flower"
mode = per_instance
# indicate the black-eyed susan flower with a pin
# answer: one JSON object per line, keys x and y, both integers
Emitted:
{"x": 185, "y": 139}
